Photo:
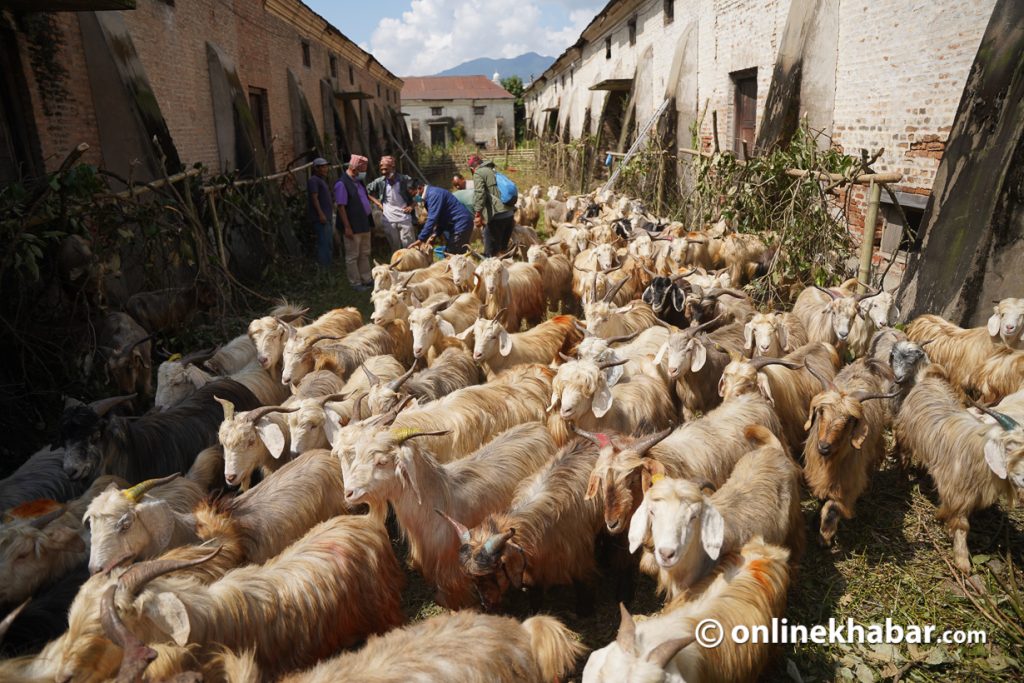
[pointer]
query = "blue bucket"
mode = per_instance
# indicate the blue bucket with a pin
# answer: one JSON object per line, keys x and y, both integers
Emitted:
{"x": 439, "y": 252}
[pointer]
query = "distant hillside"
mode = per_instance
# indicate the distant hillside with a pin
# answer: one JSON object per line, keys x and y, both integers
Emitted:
{"x": 527, "y": 67}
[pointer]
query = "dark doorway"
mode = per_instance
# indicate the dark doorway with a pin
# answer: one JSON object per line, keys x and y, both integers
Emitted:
{"x": 438, "y": 138}
{"x": 261, "y": 115}
{"x": 744, "y": 110}
{"x": 19, "y": 145}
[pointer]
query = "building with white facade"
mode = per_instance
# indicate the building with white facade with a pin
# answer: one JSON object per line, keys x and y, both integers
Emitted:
{"x": 441, "y": 109}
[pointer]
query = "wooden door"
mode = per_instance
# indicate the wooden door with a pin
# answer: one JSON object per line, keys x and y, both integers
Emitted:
{"x": 745, "y": 112}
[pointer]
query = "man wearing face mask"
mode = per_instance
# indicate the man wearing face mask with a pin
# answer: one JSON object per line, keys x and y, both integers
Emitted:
{"x": 445, "y": 215}
{"x": 320, "y": 210}
{"x": 390, "y": 192}
{"x": 354, "y": 216}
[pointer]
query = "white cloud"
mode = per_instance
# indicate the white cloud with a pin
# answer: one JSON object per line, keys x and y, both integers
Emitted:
{"x": 435, "y": 35}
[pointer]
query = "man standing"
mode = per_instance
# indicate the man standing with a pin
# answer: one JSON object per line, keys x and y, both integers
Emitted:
{"x": 496, "y": 219}
{"x": 444, "y": 215}
{"x": 465, "y": 196}
{"x": 354, "y": 214}
{"x": 321, "y": 211}
{"x": 390, "y": 192}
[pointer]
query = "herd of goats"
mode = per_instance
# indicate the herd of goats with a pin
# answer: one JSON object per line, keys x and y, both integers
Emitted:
{"x": 608, "y": 400}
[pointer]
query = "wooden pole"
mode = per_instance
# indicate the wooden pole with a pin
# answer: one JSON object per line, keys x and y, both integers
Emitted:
{"x": 868, "y": 241}
{"x": 218, "y": 231}
{"x": 714, "y": 130}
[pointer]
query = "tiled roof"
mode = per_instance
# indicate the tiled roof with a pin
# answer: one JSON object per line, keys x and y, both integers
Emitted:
{"x": 452, "y": 88}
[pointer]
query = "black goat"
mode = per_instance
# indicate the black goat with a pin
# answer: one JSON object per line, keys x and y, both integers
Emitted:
{"x": 668, "y": 300}
{"x": 41, "y": 476}
{"x": 45, "y": 617}
{"x": 151, "y": 446}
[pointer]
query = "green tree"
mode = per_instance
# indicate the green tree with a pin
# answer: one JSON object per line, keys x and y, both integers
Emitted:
{"x": 514, "y": 85}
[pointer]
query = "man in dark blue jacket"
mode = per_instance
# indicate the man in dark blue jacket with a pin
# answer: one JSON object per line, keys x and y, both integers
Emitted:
{"x": 446, "y": 215}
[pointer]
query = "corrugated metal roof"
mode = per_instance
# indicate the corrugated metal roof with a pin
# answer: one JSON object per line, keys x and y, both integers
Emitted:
{"x": 453, "y": 88}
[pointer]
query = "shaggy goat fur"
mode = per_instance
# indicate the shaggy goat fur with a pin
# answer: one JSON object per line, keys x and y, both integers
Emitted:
{"x": 515, "y": 288}
{"x": 773, "y": 335}
{"x": 453, "y": 369}
{"x": 496, "y": 349}
{"x": 298, "y": 357}
{"x": 342, "y": 358}
{"x": 556, "y": 276}
{"x": 607, "y": 320}
{"x": 963, "y": 352}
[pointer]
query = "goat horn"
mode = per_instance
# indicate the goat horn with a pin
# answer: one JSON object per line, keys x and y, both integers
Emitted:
{"x": 104, "y": 405}
{"x": 680, "y": 276}
{"x": 612, "y": 363}
{"x": 404, "y": 435}
{"x": 197, "y": 357}
{"x": 460, "y": 528}
{"x": 826, "y": 383}
{"x": 626, "y": 638}
{"x": 137, "y": 655}
{"x": 1005, "y": 421}
{"x": 257, "y": 414}
{"x": 42, "y": 520}
{"x": 496, "y": 543}
{"x": 373, "y": 379}
{"x": 581, "y": 328}
{"x": 861, "y": 396}
{"x": 593, "y": 289}
{"x": 396, "y": 384}
{"x": 609, "y": 296}
{"x": 719, "y": 291}
{"x": 623, "y": 337}
{"x": 135, "y": 493}
{"x": 441, "y": 305}
{"x": 827, "y": 291}
{"x": 565, "y": 357}
{"x": 649, "y": 271}
{"x": 9, "y": 619}
{"x": 136, "y": 578}
{"x": 704, "y": 326}
{"x": 599, "y": 439}
{"x": 357, "y": 409}
{"x": 331, "y": 398}
{"x": 291, "y": 317}
{"x": 145, "y": 339}
{"x": 867, "y": 295}
{"x": 229, "y": 407}
{"x": 763, "y": 361}
{"x": 925, "y": 343}
{"x": 645, "y": 444}
{"x": 665, "y": 652}
{"x": 476, "y": 254}
{"x": 324, "y": 337}
{"x": 612, "y": 269}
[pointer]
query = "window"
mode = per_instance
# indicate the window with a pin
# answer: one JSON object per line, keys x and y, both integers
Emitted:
{"x": 436, "y": 111}
{"x": 744, "y": 111}
{"x": 608, "y": 47}
{"x": 479, "y": 111}
{"x": 351, "y": 76}
{"x": 913, "y": 206}
{"x": 305, "y": 53}
{"x": 334, "y": 66}
{"x": 670, "y": 11}
{"x": 632, "y": 31}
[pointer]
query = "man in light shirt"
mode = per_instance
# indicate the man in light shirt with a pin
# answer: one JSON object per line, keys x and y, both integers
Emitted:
{"x": 391, "y": 193}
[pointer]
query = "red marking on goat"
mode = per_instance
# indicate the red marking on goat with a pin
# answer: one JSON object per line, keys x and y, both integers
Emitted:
{"x": 757, "y": 570}
{"x": 34, "y": 508}
{"x": 602, "y": 439}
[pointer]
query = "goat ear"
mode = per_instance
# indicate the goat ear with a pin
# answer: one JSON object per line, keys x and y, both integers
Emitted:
{"x": 783, "y": 335}
{"x": 332, "y": 425}
{"x": 592, "y": 486}
{"x": 765, "y": 387}
{"x": 197, "y": 377}
{"x": 62, "y": 539}
{"x": 860, "y": 432}
{"x": 158, "y": 519}
{"x": 464, "y": 335}
{"x": 402, "y": 470}
{"x": 613, "y": 374}
{"x": 995, "y": 457}
{"x": 661, "y": 354}
{"x": 678, "y": 299}
{"x": 712, "y": 530}
{"x": 700, "y": 356}
{"x": 650, "y": 469}
{"x": 445, "y": 327}
{"x": 602, "y": 402}
{"x": 993, "y": 325}
{"x": 639, "y": 524}
{"x": 554, "y": 401}
{"x": 721, "y": 385}
{"x": 504, "y": 343}
{"x": 271, "y": 436}
{"x": 811, "y": 414}
{"x": 514, "y": 562}
{"x": 168, "y": 614}
{"x": 748, "y": 336}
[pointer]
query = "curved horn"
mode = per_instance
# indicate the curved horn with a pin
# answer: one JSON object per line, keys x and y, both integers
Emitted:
{"x": 357, "y": 409}
{"x": 1005, "y": 421}
{"x": 593, "y": 289}
{"x": 826, "y": 383}
{"x": 580, "y": 328}
{"x": 610, "y": 294}
{"x": 477, "y": 255}
{"x": 680, "y": 276}
{"x": 764, "y": 361}
{"x": 665, "y": 652}
{"x": 612, "y": 269}
{"x": 626, "y": 638}
{"x": 396, "y": 384}
{"x": 649, "y": 271}
{"x": 135, "y": 493}
{"x": 145, "y": 339}
{"x": 373, "y": 379}
{"x": 612, "y": 363}
{"x": 703, "y": 326}
{"x": 599, "y": 440}
{"x": 291, "y": 317}
{"x": 861, "y": 396}
{"x": 136, "y": 578}
{"x": 496, "y": 543}
{"x": 42, "y": 520}
{"x": 867, "y": 295}
{"x": 645, "y": 444}
{"x": 460, "y": 529}
{"x": 104, "y": 405}
{"x": 256, "y": 414}
{"x": 198, "y": 357}
{"x": 137, "y": 655}
{"x": 9, "y": 619}
{"x": 331, "y": 398}
{"x": 831, "y": 294}
{"x": 565, "y": 357}
{"x": 719, "y": 291}
{"x": 406, "y": 434}
{"x": 623, "y": 337}
{"x": 441, "y": 305}
{"x": 324, "y": 337}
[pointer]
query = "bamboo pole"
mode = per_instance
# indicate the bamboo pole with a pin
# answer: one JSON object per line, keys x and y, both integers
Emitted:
{"x": 867, "y": 245}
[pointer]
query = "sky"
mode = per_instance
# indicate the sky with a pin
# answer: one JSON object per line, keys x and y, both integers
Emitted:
{"x": 423, "y": 37}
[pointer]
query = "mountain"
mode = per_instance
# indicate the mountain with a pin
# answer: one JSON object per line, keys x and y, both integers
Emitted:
{"x": 527, "y": 67}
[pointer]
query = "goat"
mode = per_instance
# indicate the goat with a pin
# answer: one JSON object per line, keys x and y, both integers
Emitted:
{"x": 460, "y": 646}
{"x": 141, "y": 522}
{"x": 724, "y": 305}
{"x": 431, "y": 324}
{"x": 690, "y": 529}
{"x": 451, "y": 370}
{"x": 168, "y": 309}
{"x": 848, "y": 443}
{"x": 516, "y": 288}
{"x": 342, "y": 358}
{"x": 336, "y": 585}
{"x": 694, "y": 361}
{"x": 128, "y": 354}
{"x": 496, "y": 350}
{"x": 636, "y": 349}
{"x": 385, "y": 277}
{"x": 972, "y": 462}
{"x": 876, "y": 312}
{"x": 252, "y": 440}
{"x": 556, "y": 277}
{"x": 42, "y": 475}
{"x": 667, "y": 298}
{"x": 207, "y": 470}
{"x": 828, "y": 315}
{"x": 178, "y": 379}
{"x": 883, "y": 342}
{"x": 416, "y": 484}
{"x": 962, "y": 352}
{"x": 43, "y": 618}
{"x": 297, "y": 359}
{"x": 785, "y": 383}
{"x": 544, "y": 538}
{"x": 528, "y": 208}
{"x": 745, "y": 255}
{"x": 581, "y": 393}
{"x": 773, "y": 335}
{"x": 154, "y": 445}
{"x": 41, "y": 541}
{"x": 462, "y": 270}
{"x": 1001, "y": 375}
{"x": 1007, "y": 322}
{"x": 268, "y": 335}
{"x": 605, "y": 319}
{"x": 404, "y": 260}
{"x": 747, "y": 589}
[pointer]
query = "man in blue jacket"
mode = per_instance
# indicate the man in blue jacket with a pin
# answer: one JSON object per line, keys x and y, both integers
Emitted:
{"x": 446, "y": 215}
